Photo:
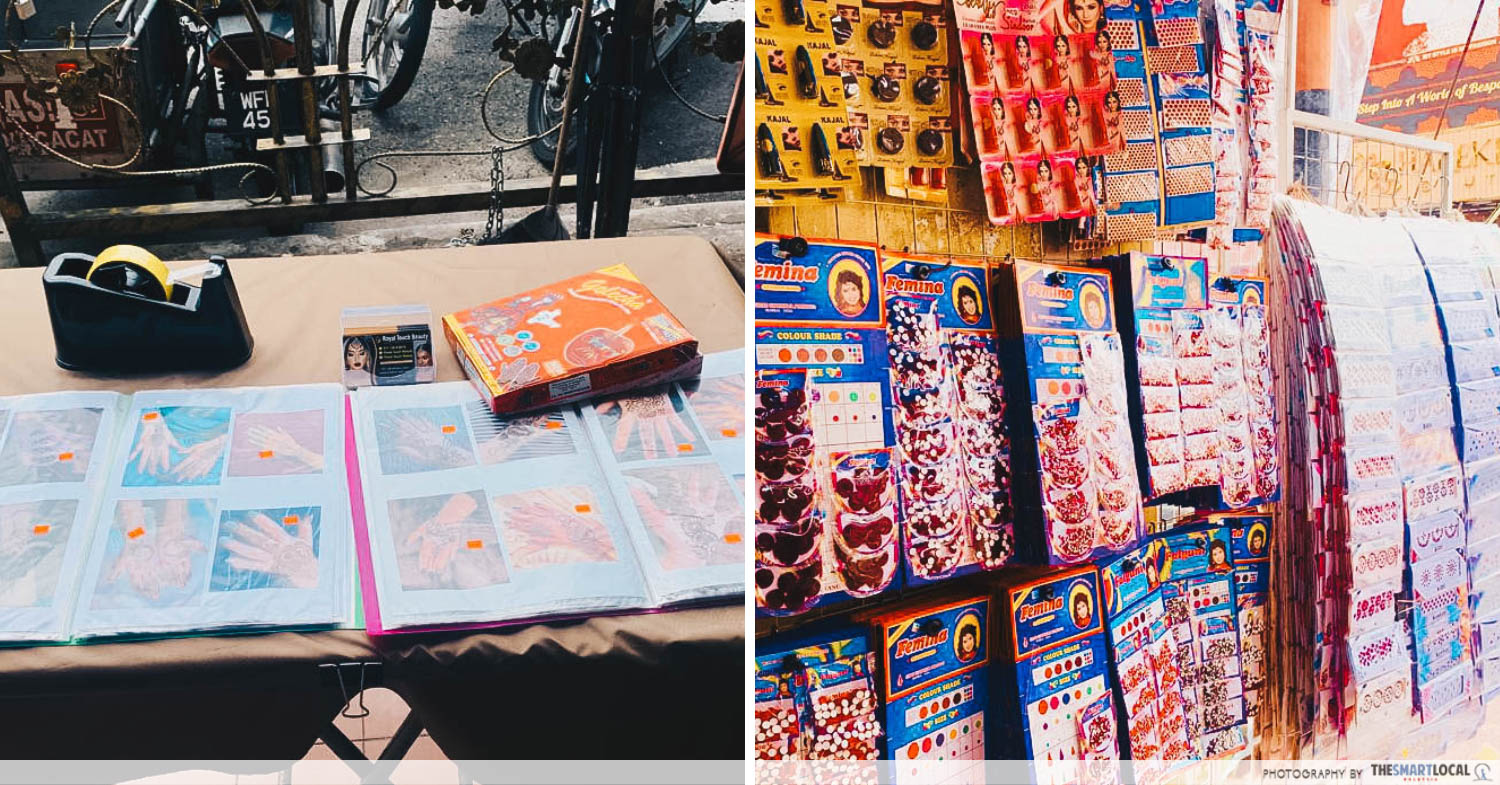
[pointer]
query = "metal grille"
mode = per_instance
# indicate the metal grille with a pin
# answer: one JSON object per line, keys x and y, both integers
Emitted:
{"x": 1348, "y": 166}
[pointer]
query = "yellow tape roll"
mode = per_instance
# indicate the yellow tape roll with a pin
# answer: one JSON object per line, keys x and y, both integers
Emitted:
{"x": 118, "y": 261}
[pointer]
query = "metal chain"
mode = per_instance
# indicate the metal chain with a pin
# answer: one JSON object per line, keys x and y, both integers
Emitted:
{"x": 496, "y": 219}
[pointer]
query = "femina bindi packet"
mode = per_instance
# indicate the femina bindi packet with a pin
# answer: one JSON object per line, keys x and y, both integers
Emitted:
{"x": 599, "y": 333}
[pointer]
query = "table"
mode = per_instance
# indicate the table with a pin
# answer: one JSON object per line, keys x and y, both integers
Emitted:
{"x": 664, "y": 685}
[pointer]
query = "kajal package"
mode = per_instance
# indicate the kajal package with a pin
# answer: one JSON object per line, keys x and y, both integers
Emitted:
{"x": 821, "y": 313}
{"x": 949, "y": 418}
{"x": 1076, "y": 483}
{"x": 934, "y": 687}
{"x": 1055, "y": 667}
{"x": 804, "y": 138}
{"x": 815, "y": 699}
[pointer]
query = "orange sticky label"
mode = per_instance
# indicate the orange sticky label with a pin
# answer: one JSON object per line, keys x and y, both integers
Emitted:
{"x": 684, "y": 448}
{"x": 290, "y": 520}
{"x": 65, "y": 456}
{"x": 148, "y": 416}
{"x": 475, "y": 545}
{"x": 267, "y": 454}
{"x": 552, "y": 425}
{"x": 583, "y": 508}
{"x": 729, "y": 433}
{"x": 136, "y": 533}
{"x": 449, "y": 429}
{"x": 732, "y": 538}
{"x": 40, "y": 529}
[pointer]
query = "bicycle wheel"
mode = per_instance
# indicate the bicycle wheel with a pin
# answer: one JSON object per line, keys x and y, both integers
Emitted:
{"x": 395, "y": 39}
{"x": 544, "y": 106}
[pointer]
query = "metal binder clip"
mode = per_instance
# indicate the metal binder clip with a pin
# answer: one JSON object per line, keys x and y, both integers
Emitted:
{"x": 337, "y": 669}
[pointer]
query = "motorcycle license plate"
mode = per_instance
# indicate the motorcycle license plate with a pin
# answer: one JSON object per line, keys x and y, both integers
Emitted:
{"x": 48, "y": 121}
{"x": 248, "y": 111}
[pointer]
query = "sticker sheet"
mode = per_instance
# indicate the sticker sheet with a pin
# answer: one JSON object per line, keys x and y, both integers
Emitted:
{"x": 826, "y": 461}
{"x": 1071, "y": 416}
{"x": 936, "y": 689}
{"x": 815, "y": 699}
{"x": 223, "y": 509}
{"x": 1161, "y": 286}
{"x": 622, "y": 503}
{"x": 1044, "y": 101}
{"x": 951, "y": 441}
{"x": 54, "y": 460}
{"x": 1058, "y": 673}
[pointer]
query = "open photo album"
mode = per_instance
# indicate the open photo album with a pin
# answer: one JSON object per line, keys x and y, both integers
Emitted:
{"x": 175, "y": 512}
{"x": 610, "y": 505}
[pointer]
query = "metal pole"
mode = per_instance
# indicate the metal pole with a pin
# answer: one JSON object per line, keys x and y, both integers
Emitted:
{"x": 302, "y": 32}
{"x": 17, "y": 216}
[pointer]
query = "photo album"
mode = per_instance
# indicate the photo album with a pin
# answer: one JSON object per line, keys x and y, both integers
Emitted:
{"x": 617, "y": 504}
{"x": 168, "y": 513}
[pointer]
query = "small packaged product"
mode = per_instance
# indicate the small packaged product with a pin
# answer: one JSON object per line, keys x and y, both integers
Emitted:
{"x": 595, "y": 334}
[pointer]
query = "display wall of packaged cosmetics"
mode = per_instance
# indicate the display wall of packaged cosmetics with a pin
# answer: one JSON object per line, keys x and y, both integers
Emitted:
{"x": 1398, "y": 448}
{"x": 1136, "y": 117}
{"x": 924, "y": 420}
{"x": 1032, "y": 663}
{"x": 890, "y": 453}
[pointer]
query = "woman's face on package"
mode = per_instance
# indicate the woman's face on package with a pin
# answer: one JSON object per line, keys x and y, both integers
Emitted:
{"x": 355, "y": 356}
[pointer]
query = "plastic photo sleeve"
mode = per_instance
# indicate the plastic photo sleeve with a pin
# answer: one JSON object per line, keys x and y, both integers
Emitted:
{"x": 682, "y": 507}
{"x": 54, "y": 459}
{"x": 528, "y": 528}
{"x": 210, "y": 521}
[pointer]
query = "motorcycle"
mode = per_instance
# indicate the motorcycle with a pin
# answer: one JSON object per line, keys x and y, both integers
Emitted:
{"x": 544, "y": 103}
{"x": 91, "y": 93}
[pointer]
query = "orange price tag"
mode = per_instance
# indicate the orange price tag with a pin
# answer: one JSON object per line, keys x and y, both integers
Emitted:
{"x": 684, "y": 448}
{"x": 475, "y": 545}
{"x": 267, "y": 454}
{"x": 65, "y": 456}
{"x": 730, "y": 433}
{"x": 449, "y": 429}
{"x": 583, "y": 508}
{"x": 732, "y": 538}
{"x": 40, "y": 529}
{"x": 290, "y": 520}
{"x": 136, "y": 533}
{"x": 552, "y": 425}
{"x": 149, "y": 416}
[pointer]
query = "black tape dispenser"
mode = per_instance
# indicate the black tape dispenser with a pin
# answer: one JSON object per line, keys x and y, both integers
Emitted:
{"x": 122, "y": 312}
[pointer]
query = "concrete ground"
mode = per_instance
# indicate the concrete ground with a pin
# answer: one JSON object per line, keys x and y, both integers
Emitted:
{"x": 441, "y": 112}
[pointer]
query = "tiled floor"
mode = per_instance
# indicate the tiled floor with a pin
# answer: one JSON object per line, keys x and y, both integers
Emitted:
{"x": 372, "y": 733}
{"x": 424, "y": 763}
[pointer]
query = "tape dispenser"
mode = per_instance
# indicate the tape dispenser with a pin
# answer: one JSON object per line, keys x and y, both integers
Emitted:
{"x": 124, "y": 311}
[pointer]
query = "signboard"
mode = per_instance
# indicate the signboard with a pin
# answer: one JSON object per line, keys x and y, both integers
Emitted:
{"x": 1417, "y": 48}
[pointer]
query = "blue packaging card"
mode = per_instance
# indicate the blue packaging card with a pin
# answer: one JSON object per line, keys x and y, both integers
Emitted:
{"x": 833, "y": 284}
{"x": 1052, "y": 612}
{"x": 1194, "y": 553}
{"x": 1056, "y": 298}
{"x": 934, "y": 644}
{"x": 1132, "y": 577}
{"x": 1168, "y": 281}
{"x": 1250, "y": 538}
{"x": 960, "y": 291}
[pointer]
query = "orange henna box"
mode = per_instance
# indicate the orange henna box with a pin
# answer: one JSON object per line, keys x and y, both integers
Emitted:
{"x": 599, "y": 333}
